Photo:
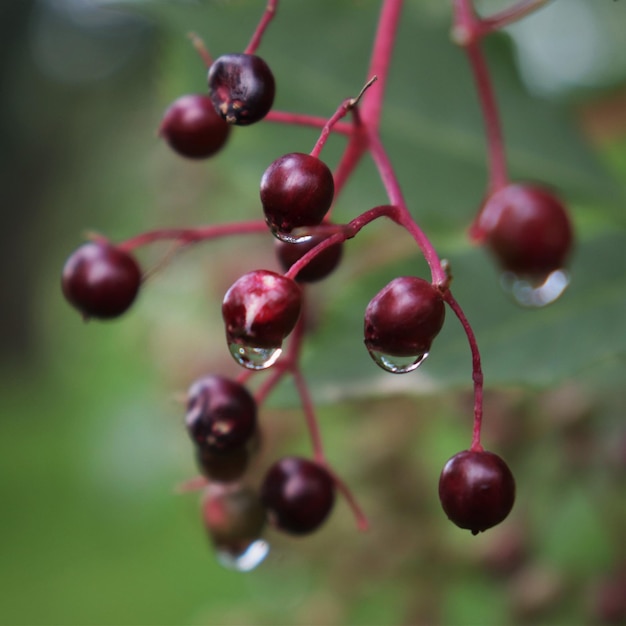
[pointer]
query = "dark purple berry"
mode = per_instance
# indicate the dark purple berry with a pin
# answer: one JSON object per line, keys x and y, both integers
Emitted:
{"x": 319, "y": 267}
{"x": 403, "y": 319}
{"x": 476, "y": 489}
{"x": 298, "y": 495}
{"x": 100, "y": 280}
{"x": 242, "y": 88}
{"x": 223, "y": 467}
{"x": 261, "y": 308}
{"x": 221, "y": 414}
{"x": 193, "y": 128}
{"x": 296, "y": 190}
{"x": 527, "y": 229}
{"x": 233, "y": 516}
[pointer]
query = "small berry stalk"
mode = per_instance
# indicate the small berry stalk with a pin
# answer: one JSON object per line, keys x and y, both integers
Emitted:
{"x": 526, "y": 229}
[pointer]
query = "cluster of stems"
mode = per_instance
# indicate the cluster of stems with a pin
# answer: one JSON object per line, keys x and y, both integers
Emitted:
{"x": 358, "y": 120}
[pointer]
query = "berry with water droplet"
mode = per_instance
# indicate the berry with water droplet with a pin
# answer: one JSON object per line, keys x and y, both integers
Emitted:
{"x": 527, "y": 229}
{"x": 234, "y": 519}
{"x": 221, "y": 414}
{"x": 298, "y": 495}
{"x": 242, "y": 88}
{"x": 319, "y": 267}
{"x": 260, "y": 309}
{"x": 401, "y": 322}
{"x": 193, "y": 128}
{"x": 101, "y": 280}
{"x": 476, "y": 490}
{"x": 296, "y": 190}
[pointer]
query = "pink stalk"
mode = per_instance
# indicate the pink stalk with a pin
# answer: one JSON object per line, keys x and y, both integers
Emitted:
{"x": 201, "y": 49}
{"x": 268, "y": 16}
{"x": 508, "y": 16}
{"x": 298, "y": 119}
{"x": 477, "y": 372}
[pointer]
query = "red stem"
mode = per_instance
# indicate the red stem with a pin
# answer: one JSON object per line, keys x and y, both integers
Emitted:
{"x": 268, "y": 16}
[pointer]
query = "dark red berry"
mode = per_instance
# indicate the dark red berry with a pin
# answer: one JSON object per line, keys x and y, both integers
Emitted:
{"x": 527, "y": 228}
{"x": 261, "y": 308}
{"x": 223, "y": 467}
{"x": 296, "y": 190}
{"x": 100, "y": 280}
{"x": 193, "y": 128}
{"x": 221, "y": 414}
{"x": 298, "y": 495}
{"x": 242, "y": 88}
{"x": 233, "y": 516}
{"x": 319, "y": 267}
{"x": 403, "y": 319}
{"x": 476, "y": 489}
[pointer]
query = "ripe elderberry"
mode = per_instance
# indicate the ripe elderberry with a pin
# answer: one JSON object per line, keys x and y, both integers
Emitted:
{"x": 319, "y": 267}
{"x": 193, "y": 128}
{"x": 100, "y": 280}
{"x": 221, "y": 414}
{"x": 242, "y": 88}
{"x": 296, "y": 190}
{"x": 234, "y": 519}
{"x": 298, "y": 495}
{"x": 476, "y": 489}
{"x": 528, "y": 230}
{"x": 401, "y": 322}
{"x": 260, "y": 309}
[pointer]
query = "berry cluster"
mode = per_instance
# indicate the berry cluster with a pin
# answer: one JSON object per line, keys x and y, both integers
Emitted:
{"x": 524, "y": 226}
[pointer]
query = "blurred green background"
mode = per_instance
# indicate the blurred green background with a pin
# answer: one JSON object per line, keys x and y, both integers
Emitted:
{"x": 92, "y": 446}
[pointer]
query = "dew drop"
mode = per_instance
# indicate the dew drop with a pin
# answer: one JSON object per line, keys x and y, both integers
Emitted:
{"x": 254, "y": 358}
{"x": 297, "y": 235}
{"x": 398, "y": 364}
{"x": 245, "y": 561}
{"x": 537, "y": 293}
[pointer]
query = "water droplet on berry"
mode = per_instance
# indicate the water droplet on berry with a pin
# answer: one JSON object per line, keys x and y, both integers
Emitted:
{"x": 254, "y": 358}
{"x": 297, "y": 235}
{"x": 536, "y": 293}
{"x": 398, "y": 364}
{"x": 245, "y": 561}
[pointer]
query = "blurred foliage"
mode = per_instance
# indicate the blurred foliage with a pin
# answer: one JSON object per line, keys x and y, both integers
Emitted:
{"x": 91, "y": 443}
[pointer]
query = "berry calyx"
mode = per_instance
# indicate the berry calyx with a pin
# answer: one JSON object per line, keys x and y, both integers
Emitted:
{"x": 193, "y": 128}
{"x": 319, "y": 267}
{"x": 527, "y": 228}
{"x": 242, "y": 88}
{"x": 260, "y": 309}
{"x": 401, "y": 322}
{"x": 298, "y": 495}
{"x": 476, "y": 490}
{"x": 100, "y": 280}
{"x": 296, "y": 190}
{"x": 221, "y": 414}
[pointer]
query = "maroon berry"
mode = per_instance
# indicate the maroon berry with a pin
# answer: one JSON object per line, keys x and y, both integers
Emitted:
{"x": 233, "y": 516}
{"x": 296, "y": 190}
{"x": 223, "y": 467}
{"x": 221, "y": 414}
{"x": 298, "y": 495}
{"x": 193, "y": 128}
{"x": 402, "y": 320}
{"x": 319, "y": 267}
{"x": 260, "y": 309}
{"x": 527, "y": 229}
{"x": 242, "y": 88}
{"x": 476, "y": 489}
{"x": 100, "y": 280}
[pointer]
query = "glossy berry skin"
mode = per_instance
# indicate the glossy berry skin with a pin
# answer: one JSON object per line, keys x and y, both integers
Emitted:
{"x": 527, "y": 228}
{"x": 100, "y": 280}
{"x": 242, "y": 88}
{"x": 298, "y": 495}
{"x": 476, "y": 490}
{"x": 193, "y": 128}
{"x": 221, "y": 414}
{"x": 404, "y": 317}
{"x": 296, "y": 190}
{"x": 319, "y": 267}
{"x": 261, "y": 308}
